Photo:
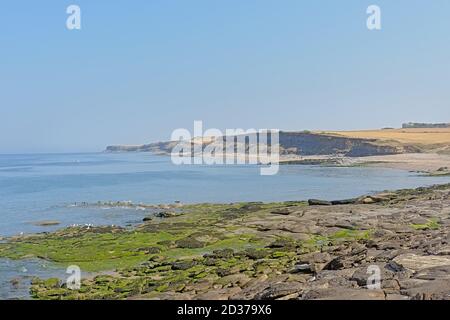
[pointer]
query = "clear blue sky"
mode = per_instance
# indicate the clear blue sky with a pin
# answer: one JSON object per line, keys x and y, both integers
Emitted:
{"x": 139, "y": 69}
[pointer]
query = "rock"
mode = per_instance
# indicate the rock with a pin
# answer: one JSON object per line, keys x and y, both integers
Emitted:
{"x": 394, "y": 297}
{"x": 15, "y": 283}
{"x": 255, "y": 254}
{"x": 282, "y": 243}
{"x": 347, "y": 261}
{"x": 316, "y": 202}
{"x": 222, "y": 254}
{"x": 362, "y": 274}
{"x": 443, "y": 251}
{"x": 434, "y": 273}
{"x": 316, "y": 260}
{"x": 283, "y": 211}
{"x": 218, "y": 294}
{"x": 279, "y": 290}
{"x": 301, "y": 268}
{"x": 46, "y": 223}
{"x": 343, "y": 202}
{"x": 238, "y": 279}
{"x": 415, "y": 263}
{"x": 252, "y": 289}
{"x": 189, "y": 243}
{"x": 165, "y": 214}
{"x": 183, "y": 265}
{"x": 430, "y": 290}
{"x": 367, "y": 200}
{"x": 340, "y": 293}
{"x": 150, "y": 250}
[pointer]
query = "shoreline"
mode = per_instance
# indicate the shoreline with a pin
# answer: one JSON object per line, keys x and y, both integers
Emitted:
{"x": 430, "y": 163}
{"x": 244, "y": 250}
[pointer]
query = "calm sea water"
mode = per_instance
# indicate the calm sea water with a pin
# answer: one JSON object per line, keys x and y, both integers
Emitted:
{"x": 44, "y": 187}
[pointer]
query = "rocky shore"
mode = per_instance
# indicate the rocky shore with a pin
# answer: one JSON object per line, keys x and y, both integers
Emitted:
{"x": 290, "y": 250}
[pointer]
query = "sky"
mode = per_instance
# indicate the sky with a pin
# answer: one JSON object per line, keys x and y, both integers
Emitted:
{"x": 137, "y": 70}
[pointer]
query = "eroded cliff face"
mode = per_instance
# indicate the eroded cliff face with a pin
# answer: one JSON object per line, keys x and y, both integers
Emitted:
{"x": 308, "y": 144}
{"x": 300, "y": 143}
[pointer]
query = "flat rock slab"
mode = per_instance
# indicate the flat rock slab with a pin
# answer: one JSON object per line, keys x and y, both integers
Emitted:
{"x": 344, "y": 294}
{"x": 46, "y": 223}
{"x": 416, "y": 263}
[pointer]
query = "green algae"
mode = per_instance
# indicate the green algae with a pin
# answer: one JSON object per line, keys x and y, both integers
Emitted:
{"x": 203, "y": 243}
{"x": 431, "y": 224}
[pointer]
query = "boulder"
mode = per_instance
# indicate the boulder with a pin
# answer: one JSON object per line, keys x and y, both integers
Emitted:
{"x": 316, "y": 202}
{"x": 283, "y": 211}
{"x": 342, "y": 202}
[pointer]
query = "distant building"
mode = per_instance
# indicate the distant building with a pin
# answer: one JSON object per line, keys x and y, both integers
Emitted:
{"x": 410, "y": 125}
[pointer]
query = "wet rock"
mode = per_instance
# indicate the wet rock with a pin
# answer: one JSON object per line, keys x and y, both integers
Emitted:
{"x": 255, "y": 254}
{"x": 189, "y": 243}
{"x": 343, "y": 202}
{"x": 283, "y": 211}
{"x": 302, "y": 268}
{"x": 316, "y": 202}
{"x": 165, "y": 214}
{"x": 183, "y": 265}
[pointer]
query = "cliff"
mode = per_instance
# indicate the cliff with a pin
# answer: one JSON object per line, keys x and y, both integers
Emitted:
{"x": 299, "y": 143}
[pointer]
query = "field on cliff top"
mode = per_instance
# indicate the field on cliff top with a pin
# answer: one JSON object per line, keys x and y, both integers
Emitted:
{"x": 424, "y": 137}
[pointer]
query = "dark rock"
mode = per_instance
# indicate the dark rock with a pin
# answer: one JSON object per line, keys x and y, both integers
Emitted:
{"x": 302, "y": 268}
{"x": 189, "y": 243}
{"x": 223, "y": 254}
{"x": 165, "y": 214}
{"x": 255, "y": 254}
{"x": 150, "y": 250}
{"x": 342, "y": 202}
{"x": 315, "y": 202}
{"x": 183, "y": 265}
{"x": 347, "y": 261}
{"x": 283, "y": 211}
{"x": 282, "y": 243}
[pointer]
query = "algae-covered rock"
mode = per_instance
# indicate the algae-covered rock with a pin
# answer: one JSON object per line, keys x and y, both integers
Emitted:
{"x": 189, "y": 243}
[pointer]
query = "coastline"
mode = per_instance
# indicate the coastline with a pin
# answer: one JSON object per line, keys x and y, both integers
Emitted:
{"x": 429, "y": 163}
{"x": 285, "y": 250}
